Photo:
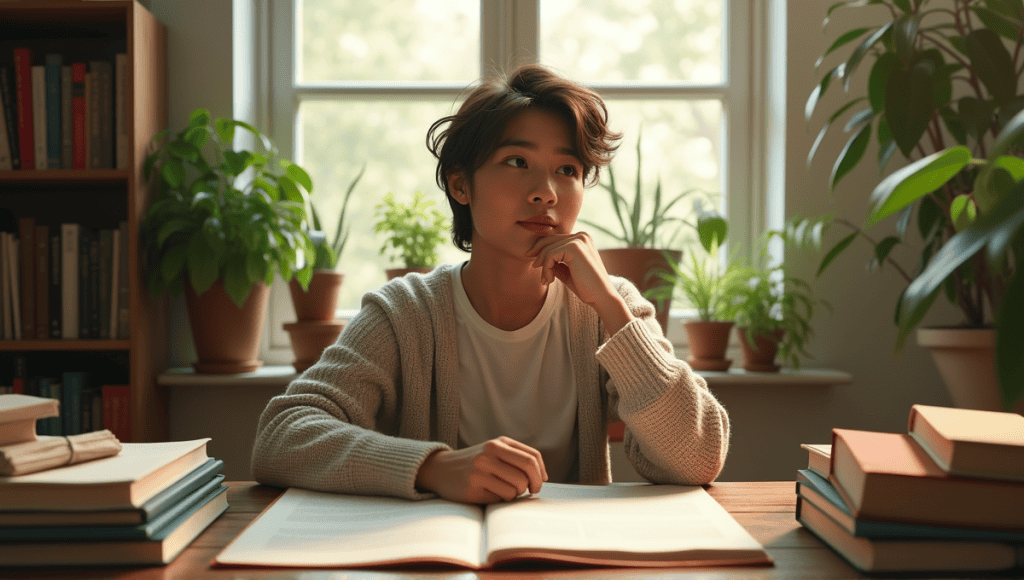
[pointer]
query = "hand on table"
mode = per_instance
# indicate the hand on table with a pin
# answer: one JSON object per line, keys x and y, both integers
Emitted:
{"x": 496, "y": 470}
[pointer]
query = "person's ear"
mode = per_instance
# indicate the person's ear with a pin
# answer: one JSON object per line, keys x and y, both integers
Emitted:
{"x": 458, "y": 188}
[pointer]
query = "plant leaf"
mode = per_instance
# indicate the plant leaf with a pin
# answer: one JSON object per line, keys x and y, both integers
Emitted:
{"x": 906, "y": 185}
{"x": 884, "y": 248}
{"x": 904, "y": 36}
{"x": 909, "y": 103}
{"x": 819, "y": 90}
{"x": 879, "y": 78}
{"x": 993, "y": 64}
{"x": 850, "y": 155}
{"x": 172, "y": 262}
{"x": 996, "y": 22}
{"x": 846, "y": 38}
{"x": 173, "y": 172}
{"x": 1009, "y": 337}
{"x": 199, "y": 118}
{"x": 835, "y": 251}
{"x": 302, "y": 178}
{"x": 860, "y": 51}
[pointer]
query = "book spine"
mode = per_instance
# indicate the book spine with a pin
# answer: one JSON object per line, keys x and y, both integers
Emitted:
{"x": 10, "y": 112}
{"x": 5, "y": 141}
{"x": 5, "y": 293}
{"x": 54, "y": 63}
{"x": 116, "y": 411}
{"x": 69, "y": 280}
{"x": 56, "y": 423}
{"x": 20, "y": 374}
{"x": 66, "y": 149}
{"x": 23, "y": 89}
{"x": 89, "y": 77}
{"x": 121, "y": 109}
{"x": 95, "y": 117}
{"x": 39, "y": 115}
{"x": 27, "y": 233}
{"x": 14, "y": 285}
{"x": 123, "y": 306}
{"x": 73, "y": 383}
{"x": 42, "y": 252}
{"x": 96, "y": 414}
{"x": 113, "y": 294}
{"x": 83, "y": 283}
{"x": 94, "y": 285}
{"x": 107, "y": 115}
{"x": 78, "y": 126}
{"x": 56, "y": 275}
{"x": 103, "y": 282}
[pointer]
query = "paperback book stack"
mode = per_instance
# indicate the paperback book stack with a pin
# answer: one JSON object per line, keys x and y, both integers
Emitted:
{"x": 139, "y": 503}
{"x": 946, "y": 496}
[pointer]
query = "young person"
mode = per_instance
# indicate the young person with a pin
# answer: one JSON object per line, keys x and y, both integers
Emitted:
{"x": 478, "y": 382}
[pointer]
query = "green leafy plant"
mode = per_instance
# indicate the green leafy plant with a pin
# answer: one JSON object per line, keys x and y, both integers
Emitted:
{"x": 964, "y": 148}
{"x": 709, "y": 289}
{"x": 412, "y": 230}
{"x": 223, "y": 214}
{"x": 328, "y": 252}
{"x": 635, "y": 232}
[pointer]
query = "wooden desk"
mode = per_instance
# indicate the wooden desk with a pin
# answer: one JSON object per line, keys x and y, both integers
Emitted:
{"x": 766, "y": 510}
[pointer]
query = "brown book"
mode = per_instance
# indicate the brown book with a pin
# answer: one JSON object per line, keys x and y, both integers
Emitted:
{"x": 18, "y": 415}
{"x": 888, "y": 477}
{"x": 972, "y": 443}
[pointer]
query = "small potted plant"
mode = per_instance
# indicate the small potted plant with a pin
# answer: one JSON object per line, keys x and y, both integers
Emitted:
{"x": 714, "y": 292}
{"x": 315, "y": 305}
{"x": 220, "y": 237}
{"x": 774, "y": 313}
{"x": 413, "y": 231}
{"x": 644, "y": 255}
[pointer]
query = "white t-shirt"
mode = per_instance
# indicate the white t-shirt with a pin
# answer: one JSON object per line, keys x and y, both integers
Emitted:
{"x": 519, "y": 383}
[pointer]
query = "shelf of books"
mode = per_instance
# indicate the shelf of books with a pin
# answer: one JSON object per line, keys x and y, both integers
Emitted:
{"x": 82, "y": 92}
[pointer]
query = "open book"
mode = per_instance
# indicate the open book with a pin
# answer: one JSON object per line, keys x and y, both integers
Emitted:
{"x": 615, "y": 525}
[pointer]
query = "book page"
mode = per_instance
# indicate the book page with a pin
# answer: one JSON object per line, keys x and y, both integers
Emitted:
{"x": 315, "y": 529}
{"x": 642, "y": 524}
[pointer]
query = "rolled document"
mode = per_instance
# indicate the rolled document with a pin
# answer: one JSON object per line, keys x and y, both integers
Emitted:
{"x": 49, "y": 452}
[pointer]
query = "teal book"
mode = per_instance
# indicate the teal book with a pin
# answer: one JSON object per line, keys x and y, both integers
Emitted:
{"x": 147, "y": 512}
{"x": 148, "y": 530}
{"x": 819, "y": 491}
{"x": 72, "y": 384}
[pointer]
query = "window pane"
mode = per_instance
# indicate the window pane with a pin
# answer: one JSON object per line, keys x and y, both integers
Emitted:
{"x": 646, "y": 41}
{"x": 389, "y": 136}
{"x": 398, "y": 40}
{"x": 681, "y": 145}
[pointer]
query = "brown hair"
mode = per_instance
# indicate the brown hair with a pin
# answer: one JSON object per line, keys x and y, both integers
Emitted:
{"x": 472, "y": 134}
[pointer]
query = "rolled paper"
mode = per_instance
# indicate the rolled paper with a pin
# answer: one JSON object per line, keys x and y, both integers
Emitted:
{"x": 50, "y": 452}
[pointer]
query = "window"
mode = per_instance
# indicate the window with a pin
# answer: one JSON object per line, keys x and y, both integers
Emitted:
{"x": 353, "y": 83}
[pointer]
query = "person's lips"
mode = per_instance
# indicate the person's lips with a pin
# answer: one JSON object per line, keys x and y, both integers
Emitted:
{"x": 540, "y": 224}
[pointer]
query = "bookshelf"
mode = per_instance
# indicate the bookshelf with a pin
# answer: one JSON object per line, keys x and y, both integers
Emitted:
{"x": 98, "y": 198}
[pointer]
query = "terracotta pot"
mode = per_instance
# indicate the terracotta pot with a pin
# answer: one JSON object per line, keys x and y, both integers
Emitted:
{"x": 309, "y": 339}
{"x": 227, "y": 337}
{"x": 967, "y": 362}
{"x": 399, "y": 272}
{"x": 708, "y": 342}
{"x": 320, "y": 299}
{"x": 641, "y": 266}
{"x": 762, "y": 358}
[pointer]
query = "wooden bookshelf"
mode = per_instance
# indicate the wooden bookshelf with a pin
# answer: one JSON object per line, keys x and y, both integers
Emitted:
{"x": 99, "y": 195}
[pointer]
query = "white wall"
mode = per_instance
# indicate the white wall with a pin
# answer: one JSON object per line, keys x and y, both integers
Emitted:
{"x": 768, "y": 423}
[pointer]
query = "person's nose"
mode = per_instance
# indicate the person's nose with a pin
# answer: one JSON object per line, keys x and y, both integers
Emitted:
{"x": 544, "y": 191}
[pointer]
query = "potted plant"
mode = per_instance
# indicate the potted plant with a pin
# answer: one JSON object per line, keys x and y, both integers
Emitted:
{"x": 413, "y": 231}
{"x": 220, "y": 237}
{"x": 315, "y": 305}
{"x": 954, "y": 182}
{"x": 643, "y": 257}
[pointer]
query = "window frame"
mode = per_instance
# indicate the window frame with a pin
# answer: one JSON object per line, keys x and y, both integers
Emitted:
{"x": 752, "y": 92}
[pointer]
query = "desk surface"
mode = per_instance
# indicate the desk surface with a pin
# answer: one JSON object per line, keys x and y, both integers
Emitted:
{"x": 765, "y": 509}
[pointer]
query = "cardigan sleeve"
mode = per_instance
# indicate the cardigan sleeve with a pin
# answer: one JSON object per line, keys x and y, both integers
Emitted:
{"x": 334, "y": 429}
{"x": 676, "y": 430}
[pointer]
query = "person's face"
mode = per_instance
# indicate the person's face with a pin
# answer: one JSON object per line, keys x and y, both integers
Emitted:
{"x": 531, "y": 186}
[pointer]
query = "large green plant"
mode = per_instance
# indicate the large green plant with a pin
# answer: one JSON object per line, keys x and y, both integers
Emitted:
{"x": 943, "y": 85}
{"x": 412, "y": 230}
{"x": 223, "y": 214}
{"x": 637, "y": 232}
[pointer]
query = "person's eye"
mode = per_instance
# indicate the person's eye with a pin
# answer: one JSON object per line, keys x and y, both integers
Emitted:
{"x": 516, "y": 162}
{"x": 569, "y": 170}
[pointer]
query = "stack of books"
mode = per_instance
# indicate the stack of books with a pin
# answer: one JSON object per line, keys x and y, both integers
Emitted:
{"x": 140, "y": 505}
{"x": 946, "y": 496}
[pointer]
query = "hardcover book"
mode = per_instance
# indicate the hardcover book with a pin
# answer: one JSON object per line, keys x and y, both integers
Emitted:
{"x": 970, "y": 442}
{"x": 888, "y": 477}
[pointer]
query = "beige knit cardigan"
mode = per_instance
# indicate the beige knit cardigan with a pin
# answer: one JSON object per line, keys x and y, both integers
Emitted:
{"x": 384, "y": 396}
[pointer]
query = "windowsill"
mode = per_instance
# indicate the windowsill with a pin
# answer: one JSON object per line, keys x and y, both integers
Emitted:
{"x": 281, "y": 375}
